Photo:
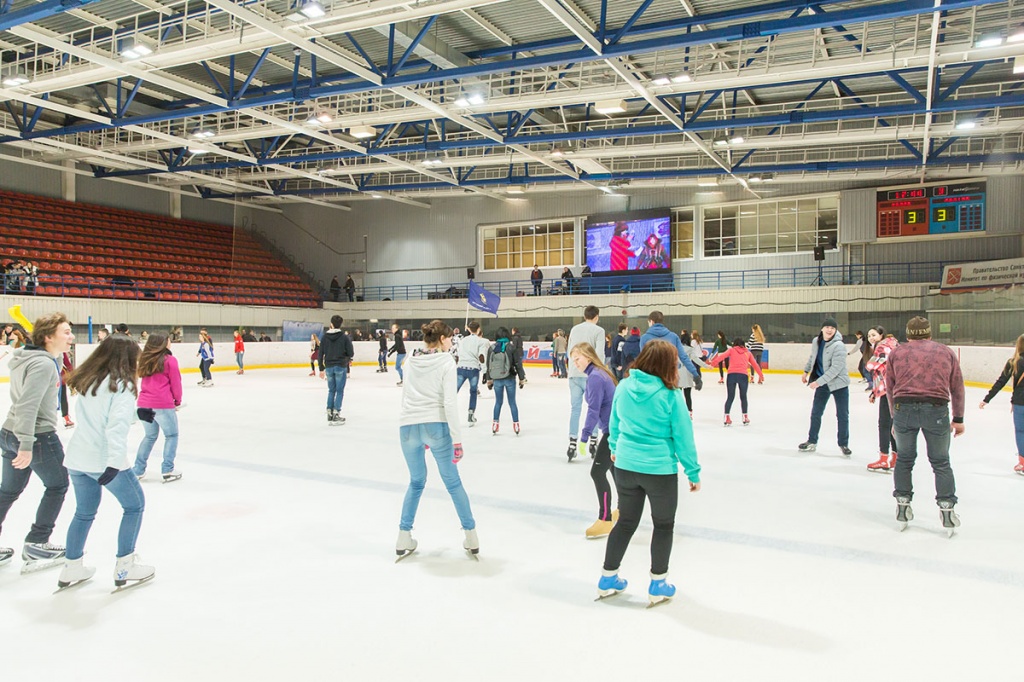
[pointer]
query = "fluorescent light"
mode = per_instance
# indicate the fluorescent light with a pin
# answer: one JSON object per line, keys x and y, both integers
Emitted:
{"x": 811, "y": 11}
{"x": 476, "y": 99}
{"x": 362, "y": 132}
{"x": 707, "y": 182}
{"x": 15, "y": 77}
{"x": 993, "y": 40}
{"x": 324, "y": 117}
{"x": 319, "y": 118}
{"x": 462, "y": 101}
{"x": 1017, "y": 36}
{"x": 721, "y": 142}
{"x": 432, "y": 161}
{"x": 610, "y": 106}
{"x": 966, "y": 124}
{"x": 376, "y": 195}
{"x": 202, "y": 134}
{"x": 516, "y": 189}
{"x": 661, "y": 80}
{"x": 312, "y": 9}
{"x": 736, "y": 139}
{"x": 754, "y": 178}
{"x": 198, "y": 150}
{"x": 1018, "y": 64}
{"x": 683, "y": 77}
{"x": 136, "y": 47}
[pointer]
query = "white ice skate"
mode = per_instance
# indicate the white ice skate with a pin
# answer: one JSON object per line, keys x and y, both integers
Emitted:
{"x": 950, "y": 519}
{"x": 129, "y": 572}
{"x": 405, "y": 545}
{"x": 6, "y": 553}
{"x": 39, "y": 556}
{"x": 74, "y": 573}
{"x": 904, "y": 514}
{"x": 170, "y": 477}
{"x": 472, "y": 544}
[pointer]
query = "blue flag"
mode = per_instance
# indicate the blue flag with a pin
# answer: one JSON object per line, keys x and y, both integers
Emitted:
{"x": 481, "y": 299}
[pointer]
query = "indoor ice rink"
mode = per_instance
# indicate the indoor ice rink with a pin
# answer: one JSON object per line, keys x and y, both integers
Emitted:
{"x": 275, "y": 552}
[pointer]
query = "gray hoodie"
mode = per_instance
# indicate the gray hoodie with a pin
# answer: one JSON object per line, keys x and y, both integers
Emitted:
{"x": 35, "y": 385}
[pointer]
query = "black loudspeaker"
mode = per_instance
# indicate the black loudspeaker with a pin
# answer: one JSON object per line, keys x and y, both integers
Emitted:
{"x": 470, "y": 273}
{"x": 819, "y": 253}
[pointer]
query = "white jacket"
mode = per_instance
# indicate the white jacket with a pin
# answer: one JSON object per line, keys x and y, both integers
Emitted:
{"x": 101, "y": 431}
{"x": 428, "y": 392}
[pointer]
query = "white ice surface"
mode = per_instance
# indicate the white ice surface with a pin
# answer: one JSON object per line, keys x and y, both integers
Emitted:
{"x": 275, "y": 554}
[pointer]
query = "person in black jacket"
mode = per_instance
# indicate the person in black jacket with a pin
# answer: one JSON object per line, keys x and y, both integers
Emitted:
{"x": 502, "y": 372}
{"x": 1013, "y": 370}
{"x": 382, "y": 352}
{"x": 335, "y": 289}
{"x": 618, "y": 341}
{"x": 399, "y": 350}
{"x": 335, "y": 355}
{"x": 517, "y": 345}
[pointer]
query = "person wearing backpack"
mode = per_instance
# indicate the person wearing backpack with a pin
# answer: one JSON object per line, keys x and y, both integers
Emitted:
{"x": 502, "y": 371}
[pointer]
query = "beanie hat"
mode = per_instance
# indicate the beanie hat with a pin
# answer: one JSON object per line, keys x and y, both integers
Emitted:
{"x": 635, "y": 331}
{"x": 830, "y": 322}
{"x": 919, "y": 328}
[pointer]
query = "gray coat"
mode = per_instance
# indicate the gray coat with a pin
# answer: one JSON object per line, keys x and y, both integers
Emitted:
{"x": 685, "y": 378}
{"x": 833, "y": 363}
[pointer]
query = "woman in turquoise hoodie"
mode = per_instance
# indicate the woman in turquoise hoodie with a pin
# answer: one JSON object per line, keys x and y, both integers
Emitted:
{"x": 650, "y": 434}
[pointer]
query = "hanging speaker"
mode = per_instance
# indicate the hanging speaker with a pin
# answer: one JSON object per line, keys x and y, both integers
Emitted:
{"x": 470, "y": 273}
{"x": 819, "y": 253}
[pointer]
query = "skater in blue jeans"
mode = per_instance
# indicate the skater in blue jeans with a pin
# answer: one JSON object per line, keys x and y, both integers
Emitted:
{"x": 399, "y": 350}
{"x": 826, "y": 373}
{"x": 502, "y": 371}
{"x": 159, "y": 398}
{"x": 429, "y": 419}
{"x": 97, "y": 458}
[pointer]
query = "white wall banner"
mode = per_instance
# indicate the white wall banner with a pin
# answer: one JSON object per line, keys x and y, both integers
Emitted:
{"x": 993, "y": 273}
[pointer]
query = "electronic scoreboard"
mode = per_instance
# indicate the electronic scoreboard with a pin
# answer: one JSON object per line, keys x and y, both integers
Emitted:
{"x": 948, "y": 208}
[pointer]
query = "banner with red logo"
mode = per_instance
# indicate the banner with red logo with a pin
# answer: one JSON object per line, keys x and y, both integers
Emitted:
{"x": 993, "y": 273}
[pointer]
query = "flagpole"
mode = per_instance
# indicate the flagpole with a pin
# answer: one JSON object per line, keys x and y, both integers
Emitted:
{"x": 467, "y": 310}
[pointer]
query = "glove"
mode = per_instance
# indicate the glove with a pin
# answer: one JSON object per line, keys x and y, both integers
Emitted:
{"x": 592, "y": 443}
{"x": 107, "y": 476}
{"x": 457, "y": 456}
{"x": 522, "y": 383}
{"x": 146, "y": 414}
{"x": 490, "y": 385}
{"x": 698, "y": 382}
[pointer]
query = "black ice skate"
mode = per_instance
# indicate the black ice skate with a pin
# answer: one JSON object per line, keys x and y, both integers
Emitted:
{"x": 573, "y": 449}
{"x": 39, "y": 556}
{"x": 904, "y": 514}
{"x": 950, "y": 520}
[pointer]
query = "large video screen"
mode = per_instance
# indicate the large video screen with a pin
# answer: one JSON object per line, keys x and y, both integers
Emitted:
{"x": 635, "y": 242}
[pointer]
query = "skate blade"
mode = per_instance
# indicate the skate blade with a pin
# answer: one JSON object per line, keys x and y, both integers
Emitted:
{"x": 473, "y": 554}
{"x": 598, "y": 537}
{"x": 881, "y": 471}
{"x": 37, "y": 566}
{"x": 406, "y": 555}
{"x": 69, "y": 586}
{"x": 171, "y": 480}
{"x": 902, "y": 525}
{"x": 657, "y": 601}
{"x": 601, "y": 596}
{"x": 128, "y": 586}
{"x": 950, "y": 532}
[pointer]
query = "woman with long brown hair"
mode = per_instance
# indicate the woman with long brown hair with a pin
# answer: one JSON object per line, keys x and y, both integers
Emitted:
{"x": 650, "y": 434}
{"x": 97, "y": 458}
{"x": 1013, "y": 369}
{"x": 159, "y": 399}
{"x": 598, "y": 394}
{"x": 205, "y": 355}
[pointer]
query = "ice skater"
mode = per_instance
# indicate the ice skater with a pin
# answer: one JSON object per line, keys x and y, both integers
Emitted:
{"x": 429, "y": 417}
{"x": 740, "y": 361}
{"x": 686, "y": 382}
{"x": 29, "y": 439}
{"x": 334, "y": 358}
{"x": 399, "y": 350}
{"x": 600, "y": 391}
{"x": 159, "y": 400}
{"x": 205, "y": 355}
{"x": 826, "y": 373}
{"x": 882, "y": 345}
{"x": 755, "y": 344}
{"x": 314, "y": 352}
{"x": 239, "y": 352}
{"x": 720, "y": 346}
{"x": 382, "y": 351}
{"x": 502, "y": 372}
{"x": 650, "y": 435}
{"x": 925, "y": 381}
{"x": 586, "y": 331}
{"x": 1013, "y": 369}
{"x": 472, "y": 356}
{"x": 98, "y": 458}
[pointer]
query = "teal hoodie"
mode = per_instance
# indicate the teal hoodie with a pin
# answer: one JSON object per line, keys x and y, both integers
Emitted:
{"x": 650, "y": 431}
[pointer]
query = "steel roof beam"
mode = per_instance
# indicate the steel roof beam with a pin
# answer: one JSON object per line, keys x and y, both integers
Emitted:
{"x": 37, "y": 12}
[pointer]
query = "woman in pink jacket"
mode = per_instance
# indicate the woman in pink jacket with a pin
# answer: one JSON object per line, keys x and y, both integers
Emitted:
{"x": 159, "y": 396}
{"x": 739, "y": 360}
{"x": 882, "y": 345}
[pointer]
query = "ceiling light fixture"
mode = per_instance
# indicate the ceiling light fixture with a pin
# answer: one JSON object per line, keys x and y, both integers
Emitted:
{"x": 1017, "y": 36}
{"x": 661, "y": 80}
{"x": 476, "y": 98}
{"x": 989, "y": 40}
{"x": 721, "y": 142}
{"x": 433, "y": 161}
{"x": 683, "y": 77}
{"x": 198, "y": 150}
{"x": 966, "y": 124}
{"x": 202, "y": 134}
{"x": 516, "y": 189}
{"x": 610, "y": 106}
{"x": 1018, "y": 64}
{"x": 754, "y": 178}
{"x": 14, "y": 77}
{"x": 312, "y": 9}
{"x": 362, "y": 132}
{"x": 707, "y": 182}
{"x": 319, "y": 118}
{"x": 136, "y": 47}
{"x": 736, "y": 139}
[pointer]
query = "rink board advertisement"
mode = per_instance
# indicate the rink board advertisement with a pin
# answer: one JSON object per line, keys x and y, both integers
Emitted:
{"x": 993, "y": 273}
{"x": 300, "y": 331}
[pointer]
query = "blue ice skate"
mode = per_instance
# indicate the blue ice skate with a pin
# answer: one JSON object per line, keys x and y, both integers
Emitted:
{"x": 609, "y": 585}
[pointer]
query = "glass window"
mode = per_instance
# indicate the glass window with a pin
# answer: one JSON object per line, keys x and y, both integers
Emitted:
{"x": 682, "y": 231}
{"x": 521, "y": 245}
{"x": 771, "y": 226}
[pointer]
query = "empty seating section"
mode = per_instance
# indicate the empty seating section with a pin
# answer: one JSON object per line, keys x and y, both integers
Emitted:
{"x": 99, "y": 252}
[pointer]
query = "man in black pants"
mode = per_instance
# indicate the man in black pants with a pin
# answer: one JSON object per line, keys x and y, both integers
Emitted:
{"x": 29, "y": 438}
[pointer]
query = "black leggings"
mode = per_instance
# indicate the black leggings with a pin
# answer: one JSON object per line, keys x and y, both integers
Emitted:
{"x": 722, "y": 368}
{"x": 689, "y": 400}
{"x": 63, "y": 399}
{"x": 633, "y": 489}
{"x": 885, "y": 437}
{"x": 599, "y": 472}
{"x": 741, "y": 381}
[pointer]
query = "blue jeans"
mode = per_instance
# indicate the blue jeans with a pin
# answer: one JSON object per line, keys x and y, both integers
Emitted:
{"x": 473, "y": 377}
{"x": 204, "y": 369}
{"x": 382, "y": 360}
{"x": 399, "y": 359}
{"x": 125, "y": 487}
{"x": 842, "y": 399}
{"x": 933, "y": 421}
{"x": 563, "y": 364}
{"x": 577, "y": 387}
{"x": 48, "y": 463}
{"x": 1018, "y": 427}
{"x": 437, "y": 436}
{"x": 238, "y": 359}
{"x": 167, "y": 421}
{"x": 501, "y": 387}
{"x": 336, "y": 378}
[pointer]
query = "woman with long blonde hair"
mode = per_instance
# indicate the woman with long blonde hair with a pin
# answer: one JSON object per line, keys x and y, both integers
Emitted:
{"x": 755, "y": 344}
{"x": 599, "y": 393}
{"x": 1013, "y": 369}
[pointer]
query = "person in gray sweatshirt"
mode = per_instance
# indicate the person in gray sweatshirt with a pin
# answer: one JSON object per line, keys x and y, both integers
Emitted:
{"x": 826, "y": 373}
{"x": 29, "y": 441}
{"x": 586, "y": 331}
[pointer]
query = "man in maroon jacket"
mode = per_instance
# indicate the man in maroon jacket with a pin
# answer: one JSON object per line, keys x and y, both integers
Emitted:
{"x": 924, "y": 377}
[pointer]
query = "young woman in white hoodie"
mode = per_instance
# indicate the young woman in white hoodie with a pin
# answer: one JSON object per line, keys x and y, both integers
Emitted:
{"x": 429, "y": 419}
{"x": 97, "y": 458}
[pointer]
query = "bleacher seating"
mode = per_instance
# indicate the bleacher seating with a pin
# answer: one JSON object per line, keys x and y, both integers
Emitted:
{"x": 99, "y": 252}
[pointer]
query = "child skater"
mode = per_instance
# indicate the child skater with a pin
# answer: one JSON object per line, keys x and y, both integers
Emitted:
{"x": 429, "y": 419}
{"x": 239, "y": 352}
{"x": 502, "y": 370}
{"x": 650, "y": 434}
{"x": 314, "y": 353}
{"x": 1013, "y": 369}
{"x": 883, "y": 345}
{"x": 205, "y": 355}
{"x": 97, "y": 458}
{"x": 158, "y": 400}
{"x": 739, "y": 360}
{"x": 600, "y": 389}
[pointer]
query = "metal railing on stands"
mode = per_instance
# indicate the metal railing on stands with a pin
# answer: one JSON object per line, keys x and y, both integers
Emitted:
{"x": 768, "y": 278}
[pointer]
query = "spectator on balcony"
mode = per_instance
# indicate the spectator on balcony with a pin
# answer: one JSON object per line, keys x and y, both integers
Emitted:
{"x": 335, "y": 289}
{"x": 12, "y": 277}
{"x": 536, "y": 277}
{"x": 569, "y": 280}
{"x": 350, "y": 288}
{"x": 31, "y": 277}
{"x": 265, "y": 338}
{"x": 248, "y": 336}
